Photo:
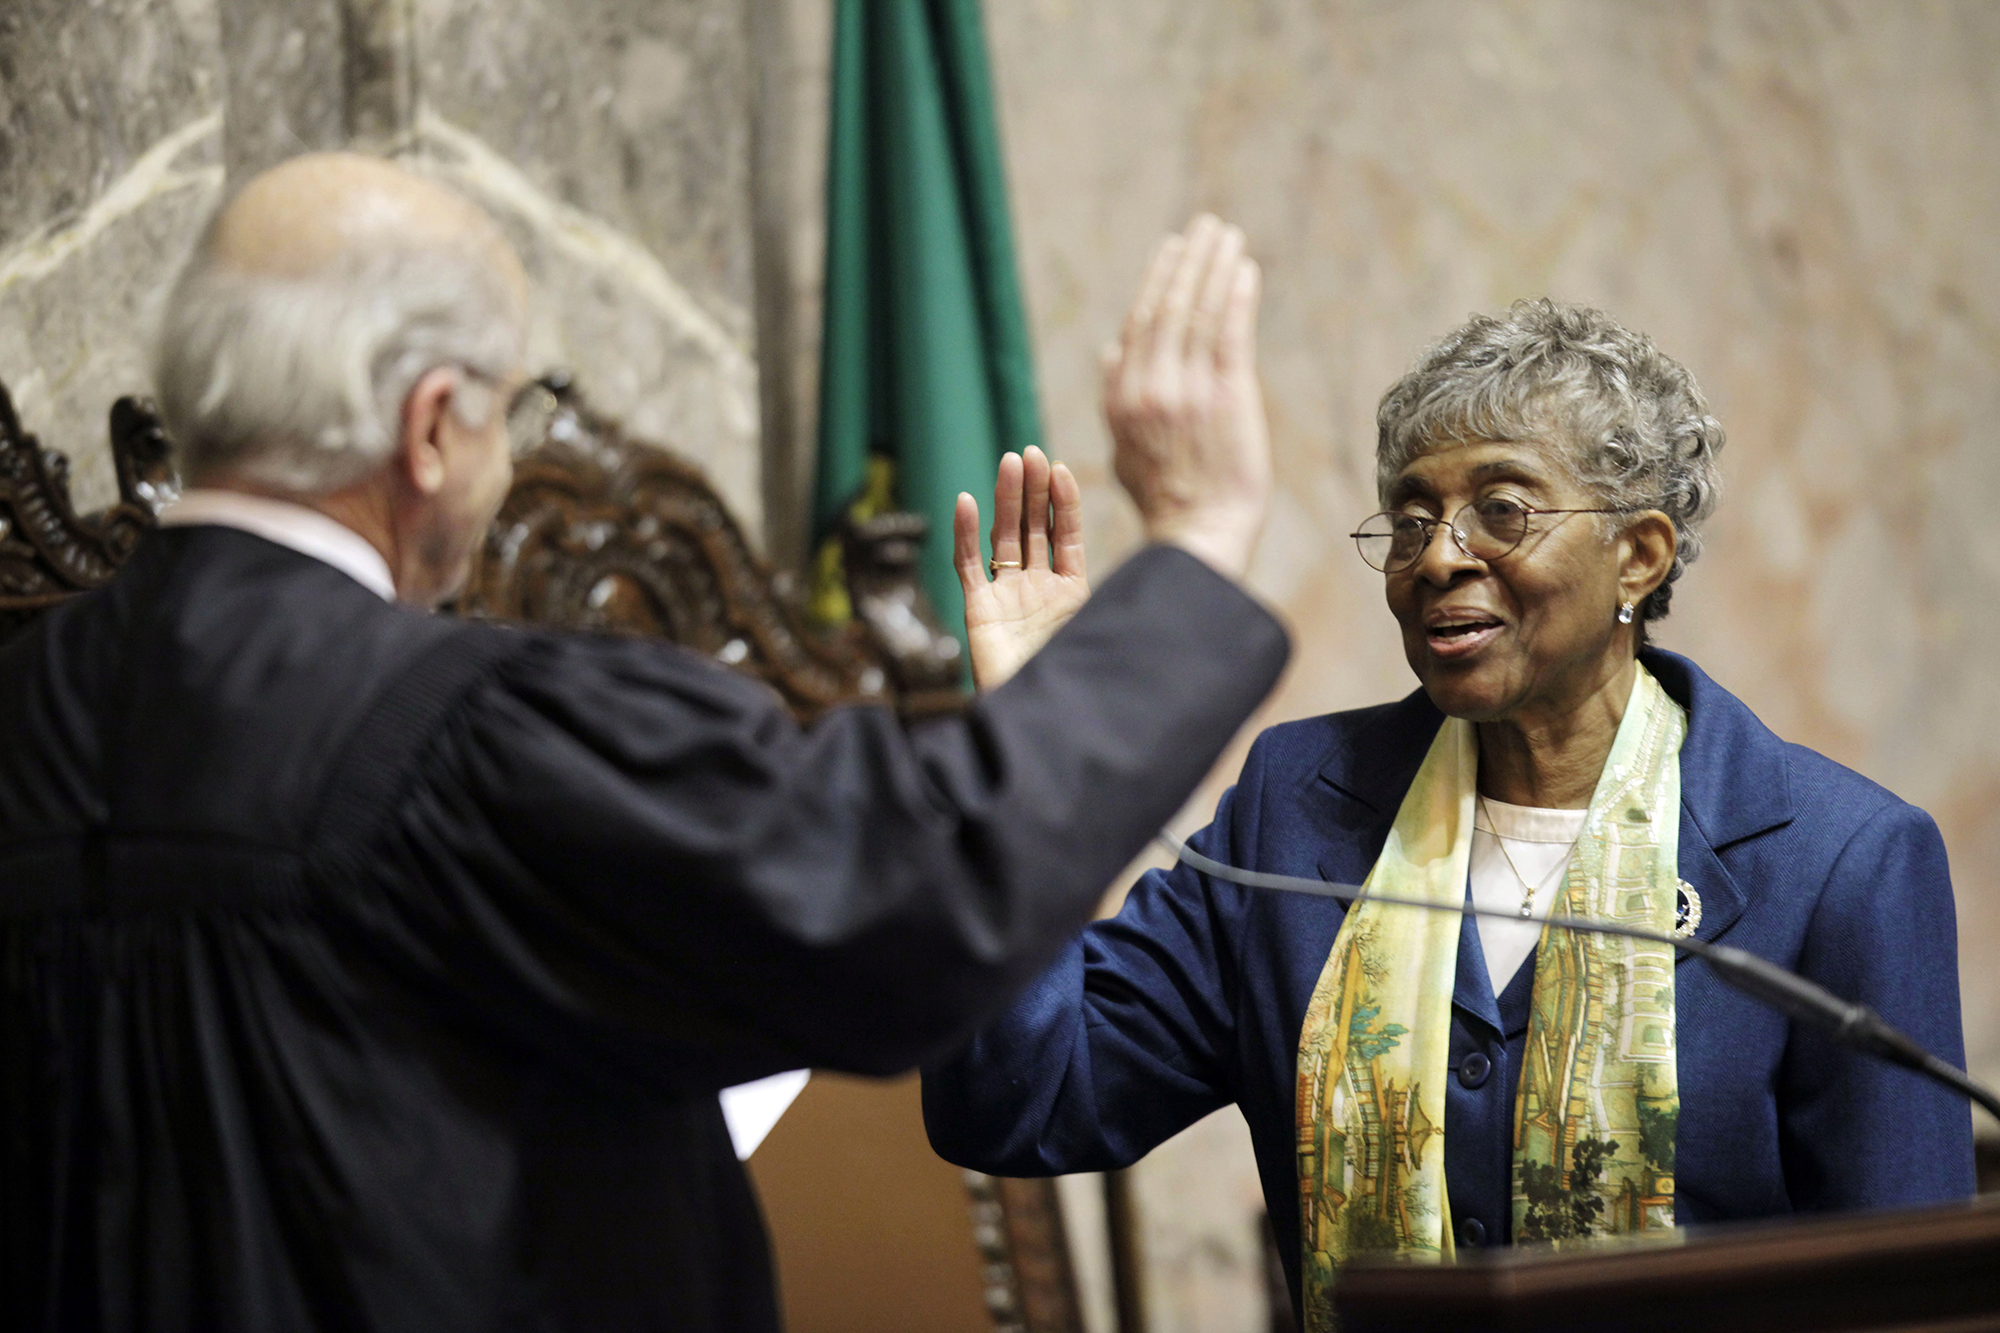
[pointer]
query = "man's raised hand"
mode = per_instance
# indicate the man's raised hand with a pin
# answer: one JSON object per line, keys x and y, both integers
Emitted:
{"x": 1189, "y": 444}
{"x": 1037, "y": 579}
{"x": 1181, "y": 397}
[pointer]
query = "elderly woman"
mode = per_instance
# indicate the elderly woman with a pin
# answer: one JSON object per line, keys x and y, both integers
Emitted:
{"x": 1420, "y": 1082}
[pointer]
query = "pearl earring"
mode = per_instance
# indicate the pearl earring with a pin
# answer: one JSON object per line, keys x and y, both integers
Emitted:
{"x": 1624, "y": 613}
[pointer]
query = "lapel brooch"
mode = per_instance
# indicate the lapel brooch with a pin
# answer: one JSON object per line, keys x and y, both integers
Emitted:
{"x": 1687, "y": 911}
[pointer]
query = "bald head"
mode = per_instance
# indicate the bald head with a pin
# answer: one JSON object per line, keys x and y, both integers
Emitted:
{"x": 311, "y": 213}
{"x": 317, "y": 297}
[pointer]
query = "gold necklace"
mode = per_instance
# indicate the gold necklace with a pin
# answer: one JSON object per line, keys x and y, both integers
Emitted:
{"x": 1527, "y": 890}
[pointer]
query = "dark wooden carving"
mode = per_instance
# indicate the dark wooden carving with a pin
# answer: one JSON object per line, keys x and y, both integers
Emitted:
{"x": 881, "y": 561}
{"x": 602, "y": 532}
{"x": 1024, "y": 1253}
{"x": 49, "y": 552}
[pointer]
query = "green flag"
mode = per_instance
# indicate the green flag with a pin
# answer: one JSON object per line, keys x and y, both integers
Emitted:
{"x": 924, "y": 362}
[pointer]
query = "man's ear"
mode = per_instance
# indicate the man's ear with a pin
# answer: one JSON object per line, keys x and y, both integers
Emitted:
{"x": 420, "y": 448}
{"x": 1647, "y": 551}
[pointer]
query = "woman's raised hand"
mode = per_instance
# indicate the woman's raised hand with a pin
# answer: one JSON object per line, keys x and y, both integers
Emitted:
{"x": 1182, "y": 400}
{"x": 1037, "y": 580}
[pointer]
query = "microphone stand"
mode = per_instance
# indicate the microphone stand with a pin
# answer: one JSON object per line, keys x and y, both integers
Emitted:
{"x": 1854, "y": 1025}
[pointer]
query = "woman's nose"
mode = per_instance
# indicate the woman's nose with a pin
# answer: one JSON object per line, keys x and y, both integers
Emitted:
{"x": 1445, "y": 556}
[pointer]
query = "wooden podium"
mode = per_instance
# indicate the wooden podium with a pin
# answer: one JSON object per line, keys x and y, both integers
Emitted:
{"x": 1935, "y": 1270}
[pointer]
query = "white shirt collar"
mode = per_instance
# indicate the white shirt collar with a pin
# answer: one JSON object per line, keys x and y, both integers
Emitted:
{"x": 294, "y": 526}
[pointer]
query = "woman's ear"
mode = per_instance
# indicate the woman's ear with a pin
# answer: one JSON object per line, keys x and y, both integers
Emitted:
{"x": 1646, "y": 555}
{"x": 419, "y": 448}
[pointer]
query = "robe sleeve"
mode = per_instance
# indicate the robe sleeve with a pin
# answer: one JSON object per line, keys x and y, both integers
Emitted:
{"x": 627, "y": 852}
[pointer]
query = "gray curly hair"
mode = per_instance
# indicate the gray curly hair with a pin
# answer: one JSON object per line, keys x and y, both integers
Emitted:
{"x": 1632, "y": 426}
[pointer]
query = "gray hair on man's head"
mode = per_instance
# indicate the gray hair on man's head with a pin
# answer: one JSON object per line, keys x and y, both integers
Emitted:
{"x": 1629, "y": 421}
{"x": 297, "y": 382}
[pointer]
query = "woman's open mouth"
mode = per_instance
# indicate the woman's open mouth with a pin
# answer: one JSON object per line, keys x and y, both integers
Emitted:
{"x": 1460, "y": 635}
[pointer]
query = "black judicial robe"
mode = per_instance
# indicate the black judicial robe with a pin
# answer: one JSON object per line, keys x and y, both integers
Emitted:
{"x": 361, "y": 968}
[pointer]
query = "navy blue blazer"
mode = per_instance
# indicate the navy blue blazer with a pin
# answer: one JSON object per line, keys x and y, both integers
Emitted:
{"x": 1192, "y": 997}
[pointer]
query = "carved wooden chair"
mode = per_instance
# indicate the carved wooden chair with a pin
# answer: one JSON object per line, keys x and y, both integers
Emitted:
{"x": 48, "y": 553}
{"x": 601, "y": 532}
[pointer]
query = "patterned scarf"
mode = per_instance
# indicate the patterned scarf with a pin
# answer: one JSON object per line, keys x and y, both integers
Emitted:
{"x": 1594, "y": 1124}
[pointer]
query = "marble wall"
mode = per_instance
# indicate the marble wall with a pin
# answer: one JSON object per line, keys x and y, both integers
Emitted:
{"x": 110, "y": 159}
{"x": 612, "y": 138}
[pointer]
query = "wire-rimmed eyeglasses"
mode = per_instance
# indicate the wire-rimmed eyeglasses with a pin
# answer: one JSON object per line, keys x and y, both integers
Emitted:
{"x": 529, "y": 412}
{"x": 1488, "y": 529}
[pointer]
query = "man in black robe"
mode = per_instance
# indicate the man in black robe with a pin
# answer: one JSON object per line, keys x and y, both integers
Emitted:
{"x": 367, "y": 969}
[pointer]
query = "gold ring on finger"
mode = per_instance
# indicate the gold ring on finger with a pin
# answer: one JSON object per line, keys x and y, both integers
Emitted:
{"x": 995, "y": 566}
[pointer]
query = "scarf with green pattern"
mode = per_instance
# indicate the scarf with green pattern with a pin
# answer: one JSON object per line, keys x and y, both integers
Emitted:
{"x": 1594, "y": 1120}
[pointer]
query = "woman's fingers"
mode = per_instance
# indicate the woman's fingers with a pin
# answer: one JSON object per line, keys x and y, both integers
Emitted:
{"x": 965, "y": 544}
{"x": 1026, "y": 533}
{"x": 1035, "y": 508}
{"x": 1068, "y": 533}
{"x": 1007, "y": 511}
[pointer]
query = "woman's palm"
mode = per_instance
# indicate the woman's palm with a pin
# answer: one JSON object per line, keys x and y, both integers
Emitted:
{"x": 1037, "y": 581}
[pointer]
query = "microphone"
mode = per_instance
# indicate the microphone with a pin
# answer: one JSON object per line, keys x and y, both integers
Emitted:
{"x": 1854, "y": 1025}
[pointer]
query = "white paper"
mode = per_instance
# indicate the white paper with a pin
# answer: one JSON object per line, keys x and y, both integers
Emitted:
{"x": 753, "y": 1108}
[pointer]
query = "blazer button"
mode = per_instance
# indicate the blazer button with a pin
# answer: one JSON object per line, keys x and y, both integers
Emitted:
{"x": 1473, "y": 1069}
{"x": 1472, "y": 1233}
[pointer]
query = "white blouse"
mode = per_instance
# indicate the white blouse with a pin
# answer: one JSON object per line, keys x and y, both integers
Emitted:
{"x": 1539, "y": 841}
